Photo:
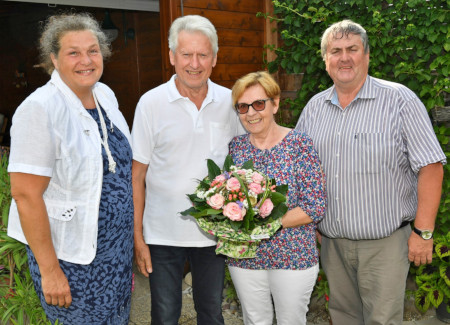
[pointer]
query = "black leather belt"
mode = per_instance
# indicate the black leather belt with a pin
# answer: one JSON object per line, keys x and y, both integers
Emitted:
{"x": 404, "y": 223}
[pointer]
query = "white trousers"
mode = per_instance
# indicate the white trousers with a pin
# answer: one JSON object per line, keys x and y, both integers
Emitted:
{"x": 290, "y": 290}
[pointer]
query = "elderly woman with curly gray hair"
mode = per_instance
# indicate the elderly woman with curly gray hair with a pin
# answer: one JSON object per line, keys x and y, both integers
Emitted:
{"x": 70, "y": 168}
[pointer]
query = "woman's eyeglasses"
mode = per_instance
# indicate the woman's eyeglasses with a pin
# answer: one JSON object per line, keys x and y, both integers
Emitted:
{"x": 258, "y": 105}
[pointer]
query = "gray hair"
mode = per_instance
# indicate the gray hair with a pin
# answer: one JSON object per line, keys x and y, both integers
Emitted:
{"x": 58, "y": 25}
{"x": 192, "y": 24}
{"x": 339, "y": 30}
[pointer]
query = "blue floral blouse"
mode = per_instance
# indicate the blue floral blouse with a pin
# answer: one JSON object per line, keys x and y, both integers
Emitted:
{"x": 295, "y": 162}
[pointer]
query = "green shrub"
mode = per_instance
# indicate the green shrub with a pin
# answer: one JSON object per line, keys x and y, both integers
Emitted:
{"x": 409, "y": 43}
{"x": 19, "y": 303}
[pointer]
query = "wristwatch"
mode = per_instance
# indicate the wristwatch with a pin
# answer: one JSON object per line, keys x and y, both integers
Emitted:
{"x": 425, "y": 234}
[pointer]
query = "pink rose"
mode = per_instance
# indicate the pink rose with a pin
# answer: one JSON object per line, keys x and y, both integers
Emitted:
{"x": 241, "y": 172}
{"x": 257, "y": 177}
{"x": 255, "y": 188}
{"x": 233, "y": 211}
{"x": 220, "y": 178}
{"x": 266, "y": 208}
{"x": 216, "y": 201}
{"x": 233, "y": 184}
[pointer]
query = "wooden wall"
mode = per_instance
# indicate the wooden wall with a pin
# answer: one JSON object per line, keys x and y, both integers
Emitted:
{"x": 134, "y": 67}
{"x": 138, "y": 64}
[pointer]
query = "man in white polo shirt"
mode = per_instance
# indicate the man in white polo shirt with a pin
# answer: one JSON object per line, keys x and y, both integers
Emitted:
{"x": 177, "y": 126}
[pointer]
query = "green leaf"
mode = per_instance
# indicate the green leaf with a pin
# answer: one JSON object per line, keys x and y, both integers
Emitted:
{"x": 432, "y": 37}
{"x": 436, "y": 49}
{"x": 277, "y": 198}
{"x": 194, "y": 198}
{"x": 445, "y": 287}
{"x": 205, "y": 212}
{"x": 205, "y": 184}
{"x": 228, "y": 163}
{"x": 442, "y": 250}
{"x": 421, "y": 300}
{"x": 436, "y": 297}
{"x": 278, "y": 211}
{"x": 447, "y": 46}
{"x": 282, "y": 189}
{"x": 236, "y": 225}
{"x": 444, "y": 272}
{"x": 213, "y": 169}
{"x": 246, "y": 223}
{"x": 248, "y": 165}
{"x": 189, "y": 211}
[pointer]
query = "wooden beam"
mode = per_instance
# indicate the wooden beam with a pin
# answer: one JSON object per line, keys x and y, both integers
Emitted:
{"x": 270, "y": 33}
{"x": 168, "y": 13}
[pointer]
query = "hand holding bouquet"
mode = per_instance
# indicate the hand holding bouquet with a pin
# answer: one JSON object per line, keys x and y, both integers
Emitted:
{"x": 239, "y": 205}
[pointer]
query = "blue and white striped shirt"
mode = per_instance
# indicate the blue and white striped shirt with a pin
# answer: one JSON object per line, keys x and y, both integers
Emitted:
{"x": 371, "y": 152}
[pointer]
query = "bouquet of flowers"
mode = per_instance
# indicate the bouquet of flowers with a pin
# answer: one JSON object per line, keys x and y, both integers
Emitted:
{"x": 239, "y": 205}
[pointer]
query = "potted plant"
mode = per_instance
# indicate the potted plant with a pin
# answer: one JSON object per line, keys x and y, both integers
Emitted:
{"x": 433, "y": 280}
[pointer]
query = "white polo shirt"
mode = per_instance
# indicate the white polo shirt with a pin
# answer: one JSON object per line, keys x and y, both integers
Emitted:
{"x": 175, "y": 138}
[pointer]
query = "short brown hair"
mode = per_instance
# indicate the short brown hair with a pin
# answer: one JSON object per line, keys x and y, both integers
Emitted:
{"x": 262, "y": 78}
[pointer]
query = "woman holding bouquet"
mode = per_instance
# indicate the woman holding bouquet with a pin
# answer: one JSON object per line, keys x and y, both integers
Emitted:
{"x": 286, "y": 265}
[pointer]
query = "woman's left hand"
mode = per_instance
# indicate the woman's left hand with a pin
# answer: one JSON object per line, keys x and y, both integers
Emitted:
{"x": 56, "y": 289}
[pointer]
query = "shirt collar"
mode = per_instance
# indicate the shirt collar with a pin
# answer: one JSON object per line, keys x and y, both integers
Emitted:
{"x": 367, "y": 91}
{"x": 102, "y": 98}
{"x": 174, "y": 94}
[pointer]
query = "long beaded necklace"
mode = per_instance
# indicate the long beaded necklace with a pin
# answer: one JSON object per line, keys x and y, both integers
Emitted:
{"x": 111, "y": 163}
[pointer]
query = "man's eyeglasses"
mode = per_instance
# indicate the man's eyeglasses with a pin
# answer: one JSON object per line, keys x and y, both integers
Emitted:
{"x": 258, "y": 105}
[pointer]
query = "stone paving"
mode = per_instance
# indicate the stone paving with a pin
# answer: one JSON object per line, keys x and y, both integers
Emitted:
{"x": 140, "y": 309}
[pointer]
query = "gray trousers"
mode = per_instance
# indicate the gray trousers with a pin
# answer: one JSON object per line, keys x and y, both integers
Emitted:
{"x": 367, "y": 278}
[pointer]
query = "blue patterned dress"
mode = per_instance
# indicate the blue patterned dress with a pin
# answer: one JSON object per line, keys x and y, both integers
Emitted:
{"x": 293, "y": 161}
{"x": 101, "y": 291}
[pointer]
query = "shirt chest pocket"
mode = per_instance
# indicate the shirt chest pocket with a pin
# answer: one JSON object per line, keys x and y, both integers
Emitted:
{"x": 221, "y": 135}
{"x": 370, "y": 152}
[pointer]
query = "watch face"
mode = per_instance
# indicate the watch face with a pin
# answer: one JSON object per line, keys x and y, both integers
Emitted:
{"x": 426, "y": 234}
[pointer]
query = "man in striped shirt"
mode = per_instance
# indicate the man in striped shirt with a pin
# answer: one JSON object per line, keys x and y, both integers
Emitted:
{"x": 384, "y": 170}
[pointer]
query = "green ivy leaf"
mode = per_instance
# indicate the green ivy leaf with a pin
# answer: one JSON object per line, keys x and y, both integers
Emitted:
{"x": 436, "y": 49}
{"x": 447, "y": 45}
